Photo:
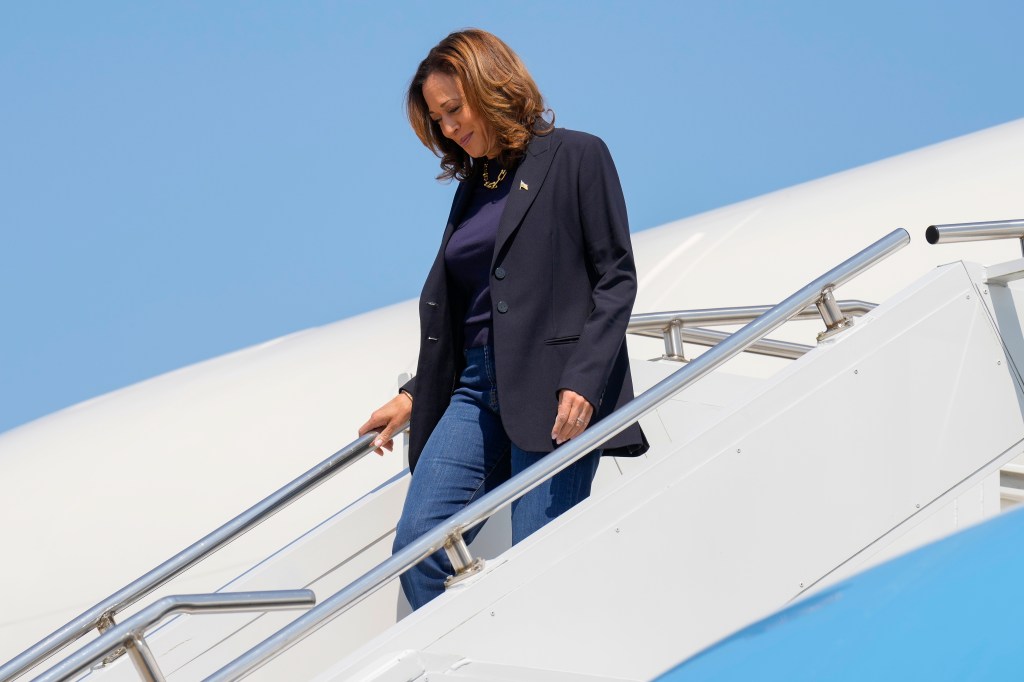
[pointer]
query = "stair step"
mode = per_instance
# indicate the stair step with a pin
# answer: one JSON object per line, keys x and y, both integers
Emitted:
{"x": 1011, "y": 494}
{"x": 1015, "y": 469}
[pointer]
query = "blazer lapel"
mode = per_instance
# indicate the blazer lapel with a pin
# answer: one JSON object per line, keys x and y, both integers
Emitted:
{"x": 525, "y": 185}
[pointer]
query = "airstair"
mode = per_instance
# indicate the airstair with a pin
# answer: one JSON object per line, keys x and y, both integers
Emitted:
{"x": 901, "y": 425}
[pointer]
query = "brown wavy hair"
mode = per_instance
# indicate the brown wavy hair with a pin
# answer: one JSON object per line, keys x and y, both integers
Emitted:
{"x": 496, "y": 86}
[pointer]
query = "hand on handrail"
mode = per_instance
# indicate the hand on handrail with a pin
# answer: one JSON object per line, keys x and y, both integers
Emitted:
{"x": 387, "y": 419}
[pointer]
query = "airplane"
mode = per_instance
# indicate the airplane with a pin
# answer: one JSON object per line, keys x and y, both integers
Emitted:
{"x": 875, "y": 419}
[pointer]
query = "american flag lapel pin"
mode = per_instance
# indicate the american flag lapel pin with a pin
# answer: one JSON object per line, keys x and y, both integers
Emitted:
{"x": 523, "y": 185}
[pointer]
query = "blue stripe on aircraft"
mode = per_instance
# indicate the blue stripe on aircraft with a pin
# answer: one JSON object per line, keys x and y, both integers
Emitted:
{"x": 947, "y": 611}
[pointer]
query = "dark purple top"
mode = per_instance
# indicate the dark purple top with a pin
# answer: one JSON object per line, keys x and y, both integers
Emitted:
{"x": 469, "y": 253}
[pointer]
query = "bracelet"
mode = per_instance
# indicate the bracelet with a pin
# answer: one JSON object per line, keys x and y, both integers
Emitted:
{"x": 406, "y": 394}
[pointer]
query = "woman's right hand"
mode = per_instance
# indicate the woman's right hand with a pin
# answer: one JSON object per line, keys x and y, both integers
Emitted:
{"x": 386, "y": 419}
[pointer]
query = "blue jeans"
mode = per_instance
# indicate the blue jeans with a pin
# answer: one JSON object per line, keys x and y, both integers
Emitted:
{"x": 467, "y": 455}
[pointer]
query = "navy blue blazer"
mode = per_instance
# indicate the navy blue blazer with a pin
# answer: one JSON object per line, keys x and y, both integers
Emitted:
{"x": 562, "y": 283}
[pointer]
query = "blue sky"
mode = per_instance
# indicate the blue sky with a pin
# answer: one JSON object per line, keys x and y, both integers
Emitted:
{"x": 180, "y": 180}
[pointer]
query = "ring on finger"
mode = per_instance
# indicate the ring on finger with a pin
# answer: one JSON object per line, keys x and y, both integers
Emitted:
{"x": 579, "y": 421}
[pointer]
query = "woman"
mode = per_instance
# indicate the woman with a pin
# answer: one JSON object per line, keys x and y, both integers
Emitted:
{"x": 523, "y": 314}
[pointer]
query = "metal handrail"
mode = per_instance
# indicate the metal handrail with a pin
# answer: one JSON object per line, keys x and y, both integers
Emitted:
{"x": 702, "y": 336}
{"x": 102, "y": 613}
{"x": 675, "y": 327}
{"x": 714, "y": 317}
{"x": 973, "y": 232}
{"x": 131, "y": 632}
{"x": 449, "y": 532}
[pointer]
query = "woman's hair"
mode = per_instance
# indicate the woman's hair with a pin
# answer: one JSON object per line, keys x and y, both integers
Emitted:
{"x": 497, "y": 87}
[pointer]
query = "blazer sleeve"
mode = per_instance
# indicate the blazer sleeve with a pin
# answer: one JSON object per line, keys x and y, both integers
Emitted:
{"x": 605, "y": 229}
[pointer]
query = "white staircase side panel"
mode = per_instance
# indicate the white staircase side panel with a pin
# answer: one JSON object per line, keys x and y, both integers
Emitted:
{"x": 1006, "y": 305}
{"x": 999, "y": 286}
{"x": 971, "y": 503}
{"x": 842, "y": 452}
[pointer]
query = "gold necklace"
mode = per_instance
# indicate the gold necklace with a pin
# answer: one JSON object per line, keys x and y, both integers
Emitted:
{"x": 494, "y": 184}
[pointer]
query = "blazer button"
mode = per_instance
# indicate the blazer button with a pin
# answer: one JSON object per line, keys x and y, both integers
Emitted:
{"x": 499, "y": 273}
{"x": 502, "y": 307}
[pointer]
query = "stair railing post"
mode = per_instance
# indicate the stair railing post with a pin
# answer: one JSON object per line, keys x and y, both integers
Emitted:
{"x": 673, "y": 334}
{"x": 143, "y": 658}
{"x": 831, "y": 314}
{"x": 462, "y": 559}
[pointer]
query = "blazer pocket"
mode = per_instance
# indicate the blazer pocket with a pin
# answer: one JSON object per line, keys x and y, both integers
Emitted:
{"x": 561, "y": 340}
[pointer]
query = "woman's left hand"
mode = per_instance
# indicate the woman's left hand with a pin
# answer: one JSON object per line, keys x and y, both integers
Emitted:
{"x": 574, "y": 413}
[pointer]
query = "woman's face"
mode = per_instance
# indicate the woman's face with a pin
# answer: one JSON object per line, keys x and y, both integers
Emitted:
{"x": 448, "y": 108}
